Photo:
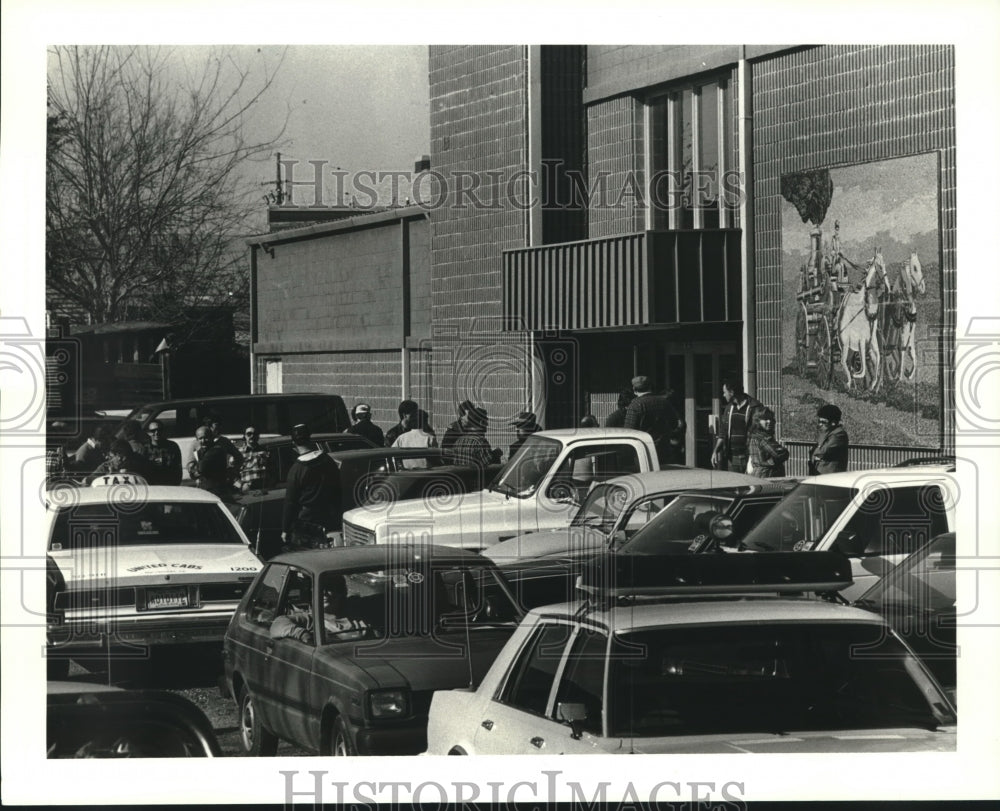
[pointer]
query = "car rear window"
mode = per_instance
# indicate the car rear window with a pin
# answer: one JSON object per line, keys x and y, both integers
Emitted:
{"x": 100, "y": 526}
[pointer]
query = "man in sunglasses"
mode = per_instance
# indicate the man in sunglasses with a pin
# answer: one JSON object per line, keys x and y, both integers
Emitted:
{"x": 254, "y": 470}
{"x": 163, "y": 456}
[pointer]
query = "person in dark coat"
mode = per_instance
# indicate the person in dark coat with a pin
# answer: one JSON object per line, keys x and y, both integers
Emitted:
{"x": 767, "y": 455}
{"x": 363, "y": 425}
{"x": 312, "y": 495}
{"x": 163, "y": 456}
{"x": 616, "y": 419}
{"x": 654, "y": 414}
{"x": 526, "y": 424}
{"x": 732, "y": 449}
{"x": 209, "y": 466}
{"x": 407, "y": 410}
{"x": 830, "y": 453}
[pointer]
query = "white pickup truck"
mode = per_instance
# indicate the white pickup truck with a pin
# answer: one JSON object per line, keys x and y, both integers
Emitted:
{"x": 539, "y": 488}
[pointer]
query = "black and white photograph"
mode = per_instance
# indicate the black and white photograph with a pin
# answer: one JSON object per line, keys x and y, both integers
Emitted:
{"x": 392, "y": 401}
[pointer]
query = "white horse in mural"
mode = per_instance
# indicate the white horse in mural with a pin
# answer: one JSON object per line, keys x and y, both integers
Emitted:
{"x": 907, "y": 285}
{"x": 857, "y": 323}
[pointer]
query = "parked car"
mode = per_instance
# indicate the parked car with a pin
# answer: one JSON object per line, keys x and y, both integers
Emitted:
{"x": 282, "y": 453}
{"x": 622, "y": 508}
{"x": 97, "y": 721}
{"x": 539, "y": 488}
{"x": 874, "y": 517}
{"x": 917, "y": 599}
{"x": 132, "y": 567}
{"x": 415, "y": 618}
{"x": 272, "y": 414}
{"x": 367, "y": 475}
{"x": 661, "y": 658}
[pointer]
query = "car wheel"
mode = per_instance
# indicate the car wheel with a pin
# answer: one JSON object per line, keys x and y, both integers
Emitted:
{"x": 341, "y": 744}
{"x": 255, "y": 738}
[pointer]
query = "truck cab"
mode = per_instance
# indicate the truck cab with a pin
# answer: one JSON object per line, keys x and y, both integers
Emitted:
{"x": 539, "y": 488}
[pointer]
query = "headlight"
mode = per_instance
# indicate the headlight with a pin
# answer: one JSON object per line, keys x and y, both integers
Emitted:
{"x": 389, "y": 703}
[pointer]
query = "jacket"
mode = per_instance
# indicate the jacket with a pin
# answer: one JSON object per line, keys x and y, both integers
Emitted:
{"x": 312, "y": 492}
{"x": 767, "y": 454}
{"x": 737, "y": 422}
{"x": 830, "y": 453}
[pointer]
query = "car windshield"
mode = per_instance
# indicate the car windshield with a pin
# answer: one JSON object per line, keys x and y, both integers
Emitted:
{"x": 153, "y": 523}
{"x": 680, "y": 520}
{"x": 602, "y": 506}
{"x": 415, "y": 600}
{"x": 923, "y": 583}
{"x": 800, "y": 520}
{"x": 769, "y": 678}
{"x": 524, "y": 472}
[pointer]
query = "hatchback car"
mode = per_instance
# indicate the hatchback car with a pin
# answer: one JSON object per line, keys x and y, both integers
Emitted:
{"x": 133, "y": 567}
{"x": 688, "y": 655}
{"x": 338, "y": 651}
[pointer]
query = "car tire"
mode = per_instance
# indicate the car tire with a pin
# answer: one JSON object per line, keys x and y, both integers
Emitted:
{"x": 341, "y": 744}
{"x": 255, "y": 739}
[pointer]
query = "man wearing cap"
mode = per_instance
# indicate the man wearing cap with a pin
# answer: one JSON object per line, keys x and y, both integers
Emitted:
{"x": 525, "y": 425}
{"x": 312, "y": 495}
{"x": 830, "y": 453}
{"x": 363, "y": 425}
{"x": 472, "y": 448}
{"x": 654, "y": 414}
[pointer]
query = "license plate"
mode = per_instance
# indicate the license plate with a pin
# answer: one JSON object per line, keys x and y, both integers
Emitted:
{"x": 166, "y": 598}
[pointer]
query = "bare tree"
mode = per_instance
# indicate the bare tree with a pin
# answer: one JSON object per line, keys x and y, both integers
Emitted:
{"x": 145, "y": 195}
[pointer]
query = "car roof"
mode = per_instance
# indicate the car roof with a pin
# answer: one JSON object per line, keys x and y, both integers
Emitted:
{"x": 319, "y": 436}
{"x": 594, "y": 433}
{"x": 639, "y": 615}
{"x": 317, "y": 561}
{"x": 382, "y": 453}
{"x": 693, "y": 478}
{"x": 888, "y": 474}
{"x": 237, "y": 398}
{"x": 122, "y": 493}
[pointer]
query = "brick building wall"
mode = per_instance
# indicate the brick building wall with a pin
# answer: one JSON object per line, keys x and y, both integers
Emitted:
{"x": 843, "y": 105}
{"x": 615, "y": 152}
{"x": 479, "y": 124}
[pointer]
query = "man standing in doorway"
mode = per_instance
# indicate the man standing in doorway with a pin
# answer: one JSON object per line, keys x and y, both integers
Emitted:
{"x": 654, "y": 414}
{"x": 732, "y": 447}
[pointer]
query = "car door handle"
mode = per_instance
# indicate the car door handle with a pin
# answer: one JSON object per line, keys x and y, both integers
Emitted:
{"x": 537, "y": 742}
{"x": 487, "y": 725}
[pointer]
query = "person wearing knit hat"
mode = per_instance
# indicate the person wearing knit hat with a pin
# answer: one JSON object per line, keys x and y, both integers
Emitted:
{"x": 767, "y": 455}
{"x": 831, "y": 451}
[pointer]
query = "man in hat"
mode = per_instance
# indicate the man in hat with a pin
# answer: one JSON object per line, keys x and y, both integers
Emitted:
{"x": 830, "y": 453}
{"x": 525, "y": 424}
{"x": 654, "y": 414}
{"x": 363, "y": 425}
{"x": 472, "y": 448}
{"x": 312, "y": 495}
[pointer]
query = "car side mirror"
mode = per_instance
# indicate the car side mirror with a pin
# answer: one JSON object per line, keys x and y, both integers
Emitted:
{"x": 573, "y": 714}
{"x": 849, "y": 544}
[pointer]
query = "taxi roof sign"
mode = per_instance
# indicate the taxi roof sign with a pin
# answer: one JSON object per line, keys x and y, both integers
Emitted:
{"x": 112, "y": 479}
{"x": 618, "y": 575}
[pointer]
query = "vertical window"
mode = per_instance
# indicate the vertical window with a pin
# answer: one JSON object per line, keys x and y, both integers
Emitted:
{"x": 583, "y": 679}
{"x": 534, "y": 673}
{"x": 690, "y": 148}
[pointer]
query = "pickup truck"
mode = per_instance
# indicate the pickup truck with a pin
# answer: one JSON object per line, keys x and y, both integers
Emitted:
{"x": 874, "y": 517}
{"x": 539, "y": 488}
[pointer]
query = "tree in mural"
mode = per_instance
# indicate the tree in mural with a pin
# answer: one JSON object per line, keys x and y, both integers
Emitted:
{"x": 810, "y": 193}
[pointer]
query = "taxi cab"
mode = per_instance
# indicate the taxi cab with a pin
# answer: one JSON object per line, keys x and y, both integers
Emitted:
{"x": 695, "y": 654}
{"x": 133, "y": 566}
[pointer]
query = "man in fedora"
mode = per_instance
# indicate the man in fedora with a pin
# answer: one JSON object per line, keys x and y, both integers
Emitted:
{"x": 525, "y": 424}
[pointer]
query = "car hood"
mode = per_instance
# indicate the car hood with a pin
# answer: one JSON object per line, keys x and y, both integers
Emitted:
{"x": 552, "y": 542}
{"x": 177, "y": 563}
{"x": 906, "y": 739}
{"x": 422, "y": 663}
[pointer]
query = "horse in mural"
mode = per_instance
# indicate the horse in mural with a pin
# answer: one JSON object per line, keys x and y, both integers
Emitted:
{"x": 901, "y": 313}
{"x": 857, "y": 324}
